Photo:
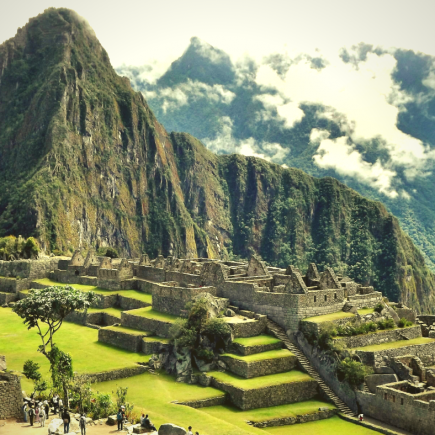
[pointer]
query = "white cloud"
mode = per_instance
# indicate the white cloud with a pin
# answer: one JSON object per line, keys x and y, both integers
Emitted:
{"x": 226, "y": 143}
{"x": 366, "y": 103}
{"x": 287, "y": 110}
{"x": 173, "y": 98}
{"x": 338, "y": 154}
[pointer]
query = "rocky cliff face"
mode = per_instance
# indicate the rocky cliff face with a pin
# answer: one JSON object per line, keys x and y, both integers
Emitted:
{"x": 84, "y": 162}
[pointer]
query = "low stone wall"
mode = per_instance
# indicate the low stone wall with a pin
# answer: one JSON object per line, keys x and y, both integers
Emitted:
{"x": 183, "y": 278}
{"x": 11, "y": 398}
{"x": 144, "y": 286}
{"x": 153, "y": 347}
{"x": 379, "y": 337}
{"x": 112, "y": 375}
{"x": 32, "y": 269}
{"x": 412, "y": 415}
{"x": 253, "y": 369}
{"x": 268, "y": 396}
{"x": 303, "y": 418}
{"x": 5, "y": 298}
{"x": 367, "y": 425}
{"x": 173, "y": 300}
{"x": 13, "y": 285}
{"x": 249, "y": 328}
{"x": 369, "y": 300}
{"x": 105, "y": 301}
{"x": 130, "y": 303}
{"x": 157, "y": 327}
{"x": 122, "y": 339}
{"x": 212, "y": 401}
{"x": 325, "y": 366}
{"x": 426, "y": 352}
{"x": 151, "y": 273}
{"x": 250, "y": 350}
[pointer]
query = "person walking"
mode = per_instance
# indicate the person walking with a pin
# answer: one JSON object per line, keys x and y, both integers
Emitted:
{"x": 31, "y": 415}
{"x": 119, "y": 418}
{"x": 37, "y": 413}
{"x": 25, "y": 412}
{"x": 55, "y": 403}
{"x": 190, "y": 431}
{"x": 60, "y": 403}
{"x": 82, "y": 424}
{"x": 66, "y": 421}
{"x": 42, "y": 416}
{"x": 46, "y": 408}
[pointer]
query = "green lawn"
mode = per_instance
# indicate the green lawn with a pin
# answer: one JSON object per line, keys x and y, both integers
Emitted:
{"x": 329, "y": 317}
{"x": 156, "y": 338}
{"x": 116, "y": 312}
{"x": 262, "y": 381}
{"x": 149, "y": 313}
{"x": 127, "y": 330}
{"x": 134, "y": 294}
{"x": 257, "y": 340}
{"x": 365, "y": 311}
{"x": 20, "y": 344}
{"x": 395, "y": 344}
{"x": 271, "y": 354}
{"x": 233, "y": 414}
{"x": 331, "y": 426}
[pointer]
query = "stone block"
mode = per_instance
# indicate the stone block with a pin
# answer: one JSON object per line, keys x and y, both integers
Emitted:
{"x": 384, "y": 370}
{"x": 379, "y": 379}
{"x": 171, "y": 429}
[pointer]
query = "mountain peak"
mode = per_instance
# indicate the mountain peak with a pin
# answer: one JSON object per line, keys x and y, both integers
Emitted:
{"x": 201, "y": 62}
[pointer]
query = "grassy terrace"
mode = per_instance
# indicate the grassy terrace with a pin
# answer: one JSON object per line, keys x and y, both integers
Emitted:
{"x": 259, "y": 340}
{"x": 337, "y": 316}
{"x": 262, "y": 381}
{"x": 395, "y": 344}
{"x": 149, "y": 313}
{"x": 156, "y": 338}
{"x": 331, "y": 426}
{"x": 134, "y": 294}
{"x": 89, "y": 356}
{"x": 231, "y": 413}
{"x": 127, "y": 330}
{"x": 115, "y": 312}
{"x": 272, "y": 354}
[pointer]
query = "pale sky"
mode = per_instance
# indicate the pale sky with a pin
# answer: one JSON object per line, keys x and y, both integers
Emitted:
{"x": 138, "y": 31}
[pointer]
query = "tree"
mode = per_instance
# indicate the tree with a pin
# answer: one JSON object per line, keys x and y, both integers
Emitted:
{"x": 31, "y": 371}
{"x": 82, "y": 391}
{"x": 47, "y": 308}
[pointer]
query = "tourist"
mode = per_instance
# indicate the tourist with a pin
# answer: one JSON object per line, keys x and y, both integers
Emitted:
{"x": 47, "y": 408}
{"x": 66, "y": 421}
{"x": 196, "y": 433}
{"x": 361, "y": 417}
{"x": 37, "y": 413}
{"x": 60, "y": 403}
{"x": 31, "y": 414}
{"x": 190, "y": 431}
{"x": 42, "y": 416}
{"x": 120, "y": 419}
{"x": 25, "y": 412}
{"x": 55, "y": 403}
{"x": 147, "y": 424}
{"x": 82, "y": 424}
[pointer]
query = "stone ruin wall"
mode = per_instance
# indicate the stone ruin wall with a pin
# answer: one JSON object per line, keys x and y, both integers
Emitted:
{"x": 399, "y": 409}
{"x": 11, "y": 396}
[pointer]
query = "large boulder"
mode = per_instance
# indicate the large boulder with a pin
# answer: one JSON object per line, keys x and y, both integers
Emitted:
{"x": 171, "y": 429}
{"x": 111, "y": 420}
{"x": 215, "y": 306}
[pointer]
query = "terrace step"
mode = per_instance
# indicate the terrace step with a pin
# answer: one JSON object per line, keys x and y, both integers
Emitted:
{"x": 303, "y": 360}
{"x": 265, "y": 391}
{"x": 257, "y": 344}
{"x": 147, "y": 319}
{"x": 152, "y": 345}
{"x": 260, "y": 364}
{"x": 6, "y": 297}
{"x": 125, "y": 338}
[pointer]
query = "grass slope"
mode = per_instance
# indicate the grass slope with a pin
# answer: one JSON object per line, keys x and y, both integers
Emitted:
{"x": 272, "y": 354}
{"x": 329, "y": 317}
{"x": 262, "y": 381}
{"x": 257, "y": 340}
{"x": 149, "y": 313}
{"x": 19, "y": 345}
{"x": 395, "y": 344}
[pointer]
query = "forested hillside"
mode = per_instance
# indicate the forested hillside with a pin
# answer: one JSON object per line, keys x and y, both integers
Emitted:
{"x": 84, "y": 162}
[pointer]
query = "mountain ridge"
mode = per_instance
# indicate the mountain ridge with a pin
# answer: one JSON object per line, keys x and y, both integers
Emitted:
{"x": 85, "y": 163}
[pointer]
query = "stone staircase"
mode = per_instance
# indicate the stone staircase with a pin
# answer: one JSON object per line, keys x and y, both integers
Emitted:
{"x": 278, "y": 332}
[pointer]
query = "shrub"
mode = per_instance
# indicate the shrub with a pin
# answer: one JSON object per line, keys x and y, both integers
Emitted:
{"x": 216, "y": 327}
{"x": 112, "y": 253}
{"x": 352, "y": 371}
{"x": 386, "y": 324}
{"x": 205, "y": 354}
{"x": 404, "y": 323}
{"x": 379, "y": 307}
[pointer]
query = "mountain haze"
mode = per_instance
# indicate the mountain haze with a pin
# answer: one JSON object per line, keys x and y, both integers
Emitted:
{"x": 266, "y": 111}
{"x": 84, "y": 162}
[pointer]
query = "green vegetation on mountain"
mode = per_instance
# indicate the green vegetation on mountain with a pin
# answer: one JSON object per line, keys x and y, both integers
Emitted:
{"x": 85, "y": 163}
